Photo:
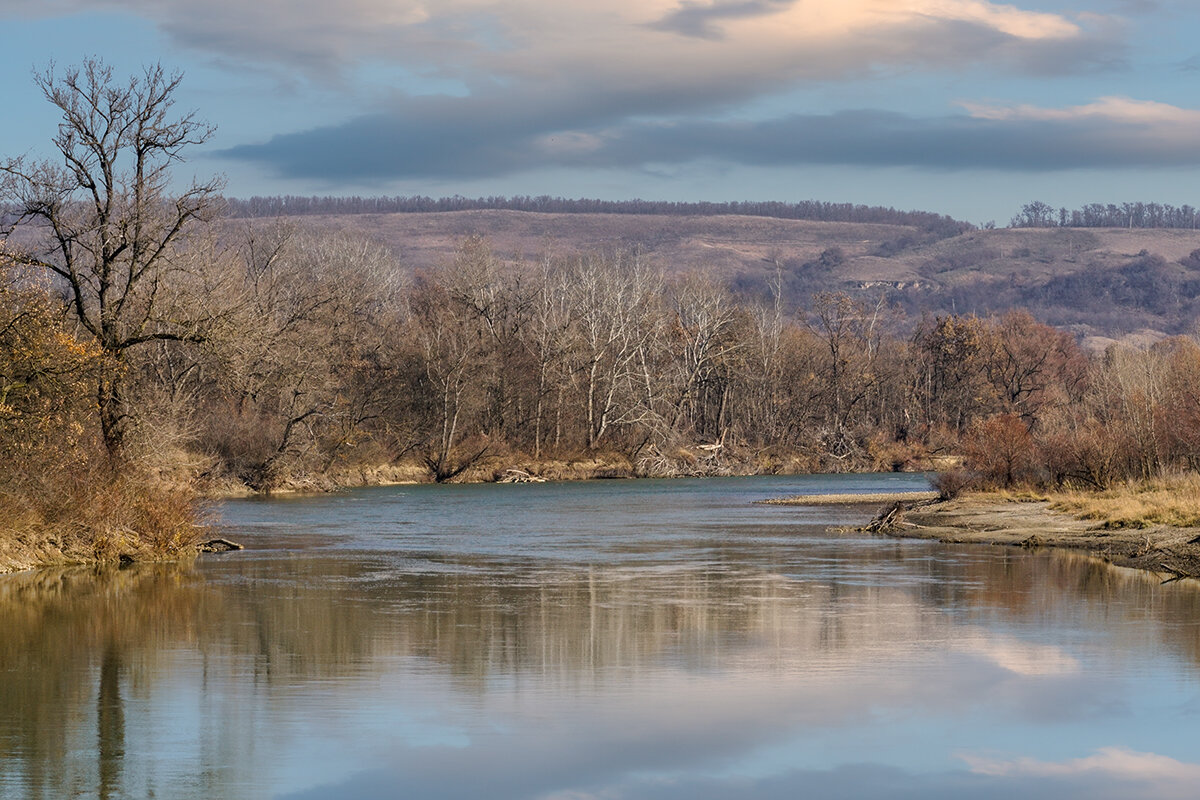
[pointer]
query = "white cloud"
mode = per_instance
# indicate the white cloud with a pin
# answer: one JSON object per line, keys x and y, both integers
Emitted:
{"x": 1111, "y": 109}
{"x": 1021, "y": 658}
{"x": 1166, "y": 777}
{"x": 612, "y": 42}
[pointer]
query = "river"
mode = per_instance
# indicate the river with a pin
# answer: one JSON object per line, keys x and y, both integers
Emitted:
{"x": 609, "y": 639}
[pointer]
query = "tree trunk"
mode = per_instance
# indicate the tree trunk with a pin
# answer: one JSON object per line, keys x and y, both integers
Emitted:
{"x": 114, "y": 422}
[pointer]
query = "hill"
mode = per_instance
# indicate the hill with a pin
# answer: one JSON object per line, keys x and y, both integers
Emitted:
{"x": 1099, "y": 282}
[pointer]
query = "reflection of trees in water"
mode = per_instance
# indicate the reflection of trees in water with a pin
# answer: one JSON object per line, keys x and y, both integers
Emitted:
{"x": 1062, "y": 587}
{"x": 80, "y": 646}
{"x": 74, "y": 641}
{"x": 110, "y": 722}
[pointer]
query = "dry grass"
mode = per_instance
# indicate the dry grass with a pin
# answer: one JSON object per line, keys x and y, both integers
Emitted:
{"x": 729, "y": 245}
{"x": 726, "y": 245}
{"x": 1172, "y": 500}
{"x": 91, "y": 517}
{"x": 1019, "y": 495}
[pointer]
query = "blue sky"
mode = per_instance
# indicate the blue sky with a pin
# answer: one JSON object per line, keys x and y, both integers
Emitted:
{"x": 964, "y": 107}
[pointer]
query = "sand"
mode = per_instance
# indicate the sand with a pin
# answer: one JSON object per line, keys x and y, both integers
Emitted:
{"x": 985, "y": 519}
{"x": 877, "y": 498}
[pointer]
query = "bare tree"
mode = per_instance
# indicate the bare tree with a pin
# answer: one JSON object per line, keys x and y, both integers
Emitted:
{"x": 851, "y": 332}
{"x": 547, "y": 343}
{"x": 308, "y": 362}
{"x": 456, "y": 358}
{"x": 615, "y": 318}
{"x": 705, "y": 329}
{"x": 503, "y": 299}
{"x": 102, "y": 217}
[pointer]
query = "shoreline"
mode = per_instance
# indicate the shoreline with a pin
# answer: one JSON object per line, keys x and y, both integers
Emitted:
{"x": 24, "y": 554}
{"x": 987, "y": 519}
{"x": 974, "y": 518}
{"x": 850, "y": 498}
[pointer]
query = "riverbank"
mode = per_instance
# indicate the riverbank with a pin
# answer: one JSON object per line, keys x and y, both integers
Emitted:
{"x": 984, "y": 518}
{"x": 54, "y": 537}
{"x": 848, "y": 499}
{"x": 517, "y": 469}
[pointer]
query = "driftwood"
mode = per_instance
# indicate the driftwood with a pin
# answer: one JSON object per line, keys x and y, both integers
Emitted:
{"x": 218, "y": 546}
{"x": 888, "y": 519}
{"x": 514, "y": 475}
{"x": 1176, "y": 574}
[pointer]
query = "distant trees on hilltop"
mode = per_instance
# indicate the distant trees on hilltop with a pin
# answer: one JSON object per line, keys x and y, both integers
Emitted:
{"x": 292, "y": 205}
{"x": 1098, "y": 215}
{"x": 1036, "y": 214}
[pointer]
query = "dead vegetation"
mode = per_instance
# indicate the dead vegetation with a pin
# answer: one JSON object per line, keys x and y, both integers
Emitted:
{"x": 1022, "y": 520}
{"x": 1172, "y": 500}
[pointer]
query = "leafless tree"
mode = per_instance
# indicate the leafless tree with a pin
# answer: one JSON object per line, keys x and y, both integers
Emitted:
{"x": 308, "y": 359}
{"x": 547, "y": 342}
{"x": 707, "y": 336}
{"x": 852, "y": 332}
{"x": 456, "y": 359}
{"x": 102, "y": 216}
{"x": 615, "y": 320}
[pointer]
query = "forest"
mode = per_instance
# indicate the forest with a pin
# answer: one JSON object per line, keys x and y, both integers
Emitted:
{"x": 150, "y": 356}
{"x": 1036, "y": 214}
{"x": 1106, "y": 215}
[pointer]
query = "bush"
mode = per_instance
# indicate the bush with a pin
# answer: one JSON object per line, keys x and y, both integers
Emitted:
{"x": 62, "y": 497}
{"x": 1001, "y": 451}
{"x": 952, "y": 483}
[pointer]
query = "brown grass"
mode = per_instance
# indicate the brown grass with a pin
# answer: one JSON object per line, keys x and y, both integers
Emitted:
{"x": 1172, "y": 500}
{"x": 87, "y": 518}
{"x": 725, "y": 245}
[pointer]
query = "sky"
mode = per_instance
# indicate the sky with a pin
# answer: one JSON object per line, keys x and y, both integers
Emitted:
{"x": 963, "y": 107}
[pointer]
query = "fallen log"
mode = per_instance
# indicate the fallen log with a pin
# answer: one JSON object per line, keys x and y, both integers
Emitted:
{"x": 514, "y": 475}
{"x": 218, "y": 546}
{"x": 1176, "y": 574}
{"x": 887, "y": 520}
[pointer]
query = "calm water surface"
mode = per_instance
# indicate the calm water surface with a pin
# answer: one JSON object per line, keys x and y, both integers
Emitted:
{"x": 649, "y": 639}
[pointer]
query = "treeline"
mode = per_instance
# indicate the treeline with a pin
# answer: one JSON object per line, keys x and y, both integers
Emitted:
{"x": 292, "y": 205}
{"x": 1098, "y": 215}
{"x": 143, "y": 357}
{"x": 314, "y": 358}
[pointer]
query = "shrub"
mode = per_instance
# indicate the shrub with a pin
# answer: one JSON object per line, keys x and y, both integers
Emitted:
{"x": 952, "y": 483}
{"x": 1001, "y": 451}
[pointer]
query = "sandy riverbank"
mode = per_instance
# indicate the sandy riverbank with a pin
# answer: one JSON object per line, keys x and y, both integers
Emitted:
{"x": 986, "y": 519}
{"x": 846, "y": 499}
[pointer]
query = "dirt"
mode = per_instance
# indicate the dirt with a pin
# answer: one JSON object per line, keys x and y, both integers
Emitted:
{"x": 984, "y": 519}
{"x": 846, "y": 499}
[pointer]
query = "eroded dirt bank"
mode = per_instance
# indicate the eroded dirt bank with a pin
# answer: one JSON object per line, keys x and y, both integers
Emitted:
{"x": 985, "y": 519}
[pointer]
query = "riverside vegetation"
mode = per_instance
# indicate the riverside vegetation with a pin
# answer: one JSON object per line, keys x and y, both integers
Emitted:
{"x": 152, "y": 351}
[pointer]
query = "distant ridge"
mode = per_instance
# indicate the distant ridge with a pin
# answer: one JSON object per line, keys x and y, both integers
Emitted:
{"x": 1032, "y": 215}
{"x": 813, "y": 210}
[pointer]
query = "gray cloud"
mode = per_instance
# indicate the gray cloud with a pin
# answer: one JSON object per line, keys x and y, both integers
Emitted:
{"x": 634, "y": 83}
{"x": 701, "y": 21}
{"x": 625, "y": 83}
{"x": 430, "y": 138}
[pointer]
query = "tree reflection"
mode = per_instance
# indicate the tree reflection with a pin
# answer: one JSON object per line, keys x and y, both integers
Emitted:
{"x": 93, "y": 662}
{"x": 110, "y": 722}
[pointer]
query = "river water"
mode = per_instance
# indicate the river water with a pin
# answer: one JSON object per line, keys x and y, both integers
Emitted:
{"x": 616, "y": 639}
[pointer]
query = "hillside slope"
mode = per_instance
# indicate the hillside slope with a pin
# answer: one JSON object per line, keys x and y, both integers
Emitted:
{"x": 1099, "y": 282}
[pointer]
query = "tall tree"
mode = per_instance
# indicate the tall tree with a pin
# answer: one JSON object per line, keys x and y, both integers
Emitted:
{"x": 102, "y": 217}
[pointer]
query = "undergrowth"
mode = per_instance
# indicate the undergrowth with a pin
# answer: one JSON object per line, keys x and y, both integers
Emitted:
{"x": 1170, "y": 500}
